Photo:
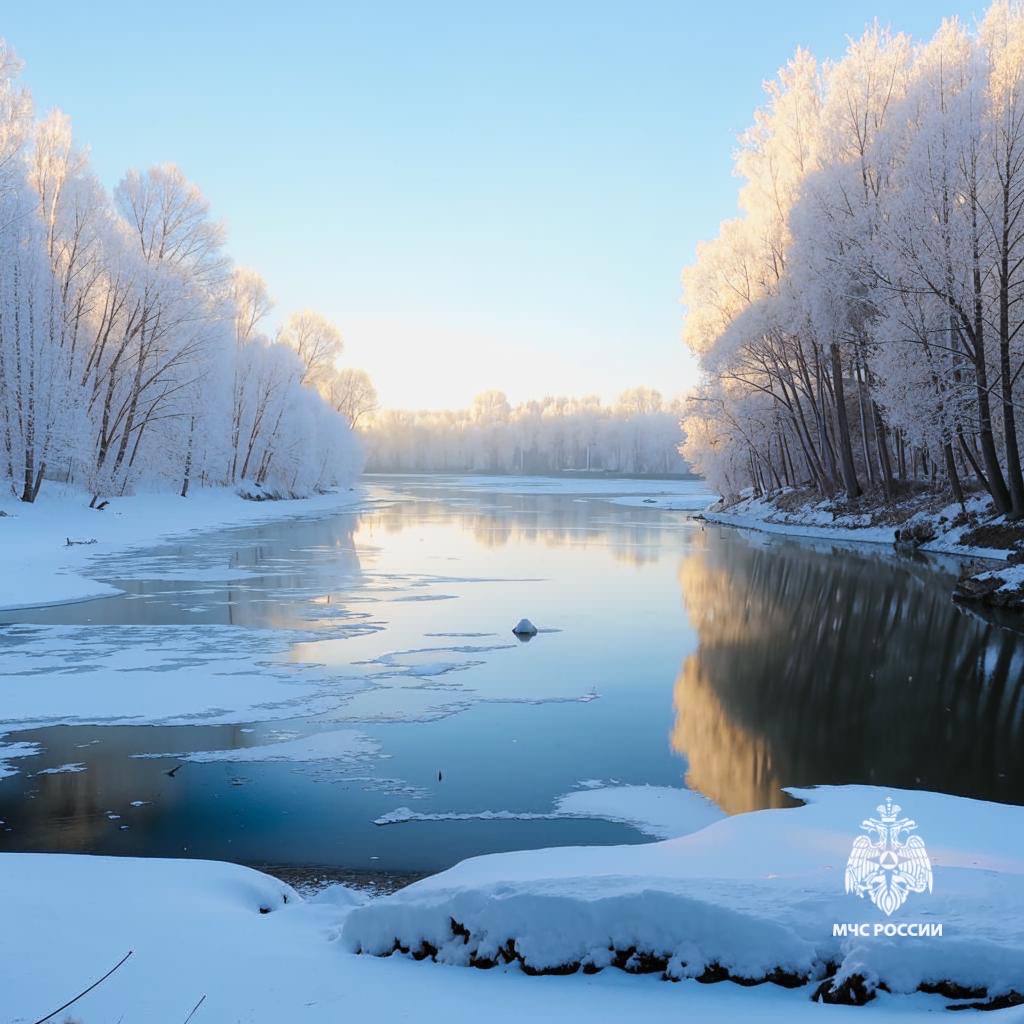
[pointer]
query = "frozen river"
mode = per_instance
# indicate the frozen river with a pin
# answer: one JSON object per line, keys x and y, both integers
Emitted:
{"x": 265, "y": 694}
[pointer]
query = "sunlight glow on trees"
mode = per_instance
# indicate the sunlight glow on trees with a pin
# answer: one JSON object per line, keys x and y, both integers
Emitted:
{"x": 131, "y": 351}
{"x": 859, "y": 323}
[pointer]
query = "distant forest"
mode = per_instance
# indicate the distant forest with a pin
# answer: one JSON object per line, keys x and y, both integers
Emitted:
{"x": 638, "y": 435}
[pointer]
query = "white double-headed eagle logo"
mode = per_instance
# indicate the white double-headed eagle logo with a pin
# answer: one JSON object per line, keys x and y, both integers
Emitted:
{"x": 889, "y": 863}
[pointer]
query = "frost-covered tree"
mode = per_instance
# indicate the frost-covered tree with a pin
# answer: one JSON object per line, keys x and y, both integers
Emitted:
{"x": 351, "y": 392}
{"x": 317, "y": 342}
{"x": 131, "y": 352}
{"x": 859, "y": 323}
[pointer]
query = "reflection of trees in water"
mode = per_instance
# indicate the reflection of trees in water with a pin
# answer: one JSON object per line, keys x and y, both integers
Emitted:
{"x": 839, "y": 670}
{"x": 498, "y": 520}
{"x": 314, "y": 560}
{"x": 68, "y": 812}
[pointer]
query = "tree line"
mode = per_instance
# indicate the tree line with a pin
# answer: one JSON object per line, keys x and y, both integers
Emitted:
{"x": 859, "y": 323}
{"x": 132, "y": 351}
{"x": 638, "y": 434}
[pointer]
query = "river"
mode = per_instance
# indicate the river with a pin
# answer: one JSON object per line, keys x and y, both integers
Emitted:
{"x": 671, "y": 653}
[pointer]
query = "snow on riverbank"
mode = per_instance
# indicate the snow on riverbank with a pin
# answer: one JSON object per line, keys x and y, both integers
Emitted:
{"x": 749, "y": 891}
{"x": 754, "y": 897}
{"x": 41, "y": 568}
{"x": 660, "y": 811}
{"x": 1002, "y": 587}
{"x": 821, "y": 520}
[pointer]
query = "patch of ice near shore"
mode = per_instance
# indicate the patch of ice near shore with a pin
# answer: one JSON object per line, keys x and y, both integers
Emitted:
{"x": 401, "y": 815}
{"x": 215, "y": 674}
{"x": 694, "y": 500}
{"x": 62, "y": 769}
{"x": 752, "y": 893}
{"x": 168, "y": 675}
{"x": 336, "y": 745}
{"x": 660, "y": 811}
{"x": 12, "y": 751}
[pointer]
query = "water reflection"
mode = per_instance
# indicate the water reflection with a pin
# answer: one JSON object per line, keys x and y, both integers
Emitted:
{"x": 392, "y": 621}
{"x": 840, "y": 669}
{"x": 497, "y": 520}
{"x": 800, "y": 665}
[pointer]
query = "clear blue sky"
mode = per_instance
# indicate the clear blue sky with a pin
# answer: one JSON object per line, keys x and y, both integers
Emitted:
{"x": 481, "y": 195}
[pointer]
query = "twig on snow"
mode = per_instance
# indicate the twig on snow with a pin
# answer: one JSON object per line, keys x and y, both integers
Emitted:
{"x": 85, "y": 992}
{"x": 196, "y": 1007}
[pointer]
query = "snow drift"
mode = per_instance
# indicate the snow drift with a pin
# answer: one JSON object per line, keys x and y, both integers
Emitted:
{"x": 753, "y": 898}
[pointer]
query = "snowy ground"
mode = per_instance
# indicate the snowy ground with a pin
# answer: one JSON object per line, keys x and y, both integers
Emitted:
{"x": 41, "y": 568}
{"x": 754, "y": 895}
{"x": 1007, "y": 583}
{"x": 750, "y": 892}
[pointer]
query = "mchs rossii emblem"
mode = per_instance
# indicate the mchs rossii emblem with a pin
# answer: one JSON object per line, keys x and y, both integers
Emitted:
{"x": 889, "y": 862}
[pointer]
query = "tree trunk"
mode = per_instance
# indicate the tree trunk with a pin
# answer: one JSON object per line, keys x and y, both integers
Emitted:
{"x": 1013, "y": 468}
{"x": 188, "y": 458}
{"x": 846, "y": 463}
{"x": 40, "y": 473}
{"x": 882, "y": 444}
{"x": 954, "y": 476}
{"x": 997, "y": 485}
{"x": 862, "y": 404}
{"x": 975, "y": 466}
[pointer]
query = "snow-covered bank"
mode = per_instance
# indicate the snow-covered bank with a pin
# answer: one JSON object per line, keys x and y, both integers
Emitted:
{"x": 47, "y": 547}
{"x": 750, "y": 891}
{"x": 754, "y": 897}
{"x": 825, "y": 521}
{"x": 996, "y": 588}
